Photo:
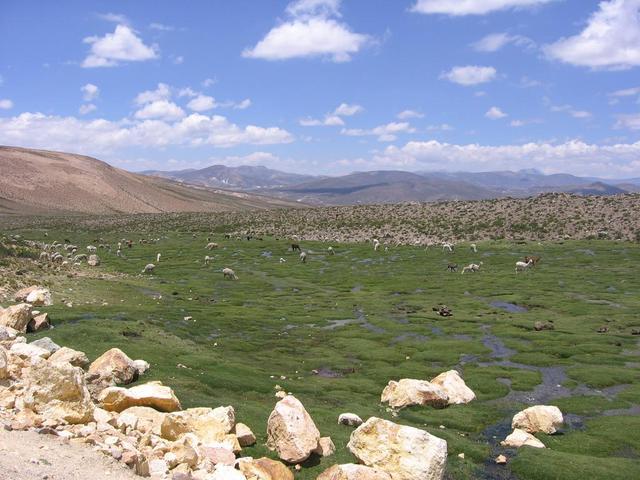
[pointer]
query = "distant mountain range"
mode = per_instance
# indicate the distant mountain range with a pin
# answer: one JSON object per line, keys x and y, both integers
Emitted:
{"x": 390, "y": 186}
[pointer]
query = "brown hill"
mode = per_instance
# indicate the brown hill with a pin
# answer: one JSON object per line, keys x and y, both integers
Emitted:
{"x": 41, "y": 181}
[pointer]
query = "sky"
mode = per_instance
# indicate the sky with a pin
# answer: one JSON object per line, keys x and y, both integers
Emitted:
{"x": 327, "y": 86}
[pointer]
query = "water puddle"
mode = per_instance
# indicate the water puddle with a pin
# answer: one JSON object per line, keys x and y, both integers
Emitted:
{"x": 509, "y": 307}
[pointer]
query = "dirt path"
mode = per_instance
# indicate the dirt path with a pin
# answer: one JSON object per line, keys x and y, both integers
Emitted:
{"x": 31, "y": 456}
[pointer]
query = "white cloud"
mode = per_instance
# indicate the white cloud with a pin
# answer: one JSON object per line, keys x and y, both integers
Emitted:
{"x": 471, "y": 7}
{"x": 470, "y": 75}
{"x": 161, "y": 27}
{"x": 115, "y": 18}
{"x": 5, "y": 104}
{"x": 494, "y": 113}
{"x": 629, "y": 122}
{"x": 86, "y": 108}
{"x": 496, "y": 41}
{"x": 255, "y": 158}
{"x": 627, "y": 92}
{"x": 202, "y": 103}
{"x": 347, "y": 110}
{"x": 89, "y": 92}
{"x": 123, "y": 45}
{"x": 408, "y": 114}
{"x": 208, "y": 82}
{"x": 611, "y": 39}
{"x": 443, "y": 127}
{"x": 385, "y": 133}
{"x": 310, "y": 32}
{"x": 573, "y": 155}
{"x": 571, "y": 111}
{"x": 526, "y": 82}
{"x": 244, "y": 104}
{"x": 328, "y": 121}
{"x": 99, "y": 136}
{"x": 524, "y": 123}
{"x": 187, "y": 92}
{"x": 163, "y": 92}
{"x": 161, "y": 109}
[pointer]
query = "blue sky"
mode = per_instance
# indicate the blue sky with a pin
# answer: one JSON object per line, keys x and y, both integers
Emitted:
{"x": 327, "y": 86}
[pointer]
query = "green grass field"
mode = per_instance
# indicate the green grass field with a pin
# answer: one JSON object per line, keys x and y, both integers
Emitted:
{"x": 363, "y": 318}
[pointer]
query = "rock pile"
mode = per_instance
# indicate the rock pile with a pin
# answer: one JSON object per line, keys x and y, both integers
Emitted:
{"x": 446, "y": 389}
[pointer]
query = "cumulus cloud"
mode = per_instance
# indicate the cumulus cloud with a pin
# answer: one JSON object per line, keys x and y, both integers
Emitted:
{"x": 494, "y": 113}
{"x": 97, "y": 136}
{"x": 86, "y": 108}
{"x": 115, "y": 18}
{"x": 471, "y": 7}
{"x": 385, "y": 133}
{"x": 568, "y": 109}
{"x": 347, "y": 110}
{"x": 409, "y": 114}
{"x": 162, "y": 109}
{"x": 470, "y": 75}
{"x": 89, "y": 92}
{"x": 576, "y": 155}
{"x": 5, "y": 104}
{"x": 244, "y": 104}
{"x": 311, "y": 31}
{"x": 611, "y": 39}
{"x": 202, "y": 103}
{"x": 161, "y": 27}
{"x": 496, "y": 41}
{"x": 334, "y": 118}
{"x": 443, "y": 127}
{"x": 162, "y": 92}
{"x": 123, "y": 45}
{"x": 629, "y": 122}
{"x": 627, "y": 92}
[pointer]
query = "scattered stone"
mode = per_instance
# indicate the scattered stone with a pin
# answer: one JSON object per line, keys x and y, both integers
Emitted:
{"x": 539, "y": 326}
{"x": 246, "y": 438}
{"x": 454, "y": 387}
{"x": 115, "y": 365}
{"x": 16, "y": 317}
{"x": 74, "y": 357}
{"x": 521, "y": 438}
{"x": 539, "y": 418}
{"x": 443, "y": 311}
{"x": 350, "y": 419}
{"x": 501, "y": 460}
{"x": 405, "y": 453}
{"x": 351, "y": 471}
{"x": 151, "y": 394}
{"x": 407, "y": 392}
{"x": 291, "y": 431}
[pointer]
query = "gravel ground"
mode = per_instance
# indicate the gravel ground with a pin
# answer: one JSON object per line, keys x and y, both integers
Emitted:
{"x": 31, "y": 456}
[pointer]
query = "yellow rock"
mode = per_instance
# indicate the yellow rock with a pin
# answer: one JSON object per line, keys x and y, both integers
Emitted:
{"x": 291, "y": 431}
{"x": 151, "y": 394}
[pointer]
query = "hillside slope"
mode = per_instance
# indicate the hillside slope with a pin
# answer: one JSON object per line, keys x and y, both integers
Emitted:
{"x": 40, "y": 181}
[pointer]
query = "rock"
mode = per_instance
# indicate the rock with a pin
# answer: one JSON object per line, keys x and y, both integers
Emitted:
{"x": 38, "y": 323}
{"x": 151, "y": 394}
{"x": 264, "y": 469}
{"x": 93, "y": 261}
{"x": 291, "y": 431}
{"x": 454, "y": 387}
{"x": 203, "y": 422}
{"x": 4, "y": 364}
{"x": 157, "y": 467}
{"x": 539, "y": 326}
{"x": 185, "y": 451}
{"x": 22, "y": 294}
{"x": 147, "y": 419}
{"x": 74, "y": 357}
{"x": 57, "y": 391}
{"x": 409, "y": 392}
{"x": 47, "y": 344}
{"x": 219, "y": 455}
{"x": 501, "y": 460}
{"x": 224, "y": 472}
{"x": 539, "y": 418}
{"x": 350, "y": 419}
{"x": 7, "y": 333}
{"x": 141, "y": 366}
{"x": 39, "y": 297}
{"x": 28, "y": 350}
{"x": 520, "y": 438}
{"x": 245, "y": 436}
{"x": 325, "y": 447}
{"x": 116, "y": 365}
{"x": 351, "y": 471}
{"x": 16, "y": 317}
{"x": 405, "y": 453}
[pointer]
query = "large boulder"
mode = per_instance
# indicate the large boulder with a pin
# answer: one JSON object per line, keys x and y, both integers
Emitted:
{"x": 209, "y": 425}
{"x": 264, "y": 469}
{"x": 224, "y": 472}
{"x": 29, "y": 350}
{"x": 47, "y": 344}
{"x": 539, "y": 418}
{"x": 22, "y": 294}
{"x": 405, "y": 453}
{"x": 39, "y": 297}
{"x": 142, "y": 419}
{"x": 38, "y": 323}
{"x": 152, "y": 394}
{"x": 74, "y": 357}
{"x": 16, "y": 316}
{"x": 454, "y": 387}
{"x": 351, "y": 471}
{"x": 407, "y": 392}
{"x": 519, "y": 438}
{"x": 57, "y": 392}
{"x": 114, "y": 364}
{"x": 291, "y": 431}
